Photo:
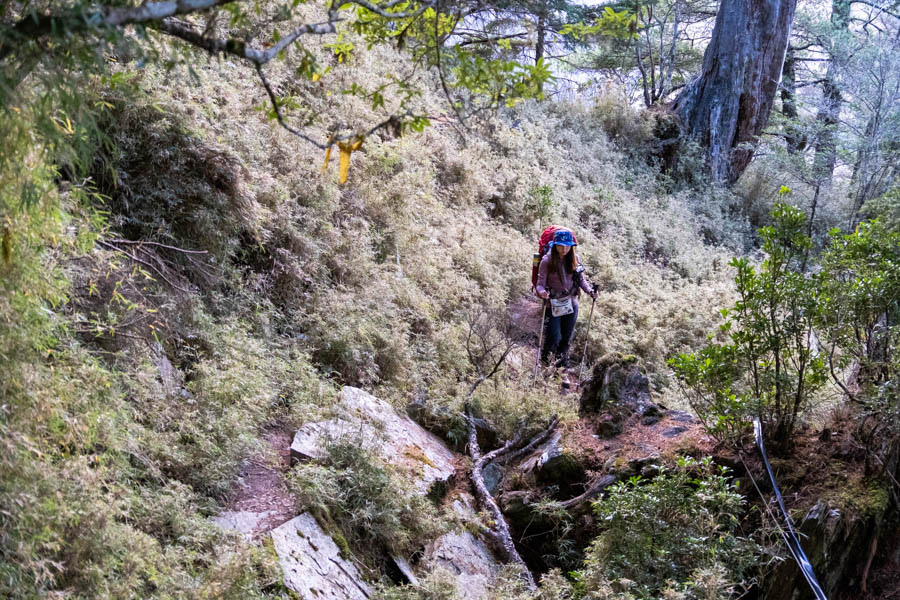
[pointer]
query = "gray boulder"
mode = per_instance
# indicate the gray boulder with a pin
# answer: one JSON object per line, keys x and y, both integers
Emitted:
{"x": 468, "y": 559}
{"x": 312, "y": 564}
{"x": 396, "y": 438}
{"x": 672, "y": 432}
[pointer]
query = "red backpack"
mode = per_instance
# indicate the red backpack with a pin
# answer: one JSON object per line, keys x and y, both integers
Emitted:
{"x": 543, "y": 245}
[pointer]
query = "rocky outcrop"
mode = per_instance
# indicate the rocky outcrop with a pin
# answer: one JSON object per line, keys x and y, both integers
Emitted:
{"x": 245, "y": 522}
{"x": 618, "y": 380}
{"x": 312, "y": 564}
{"x": 397, "y": 439}
{"x": 468, "y": 559}
{"x": 839, "y": 546}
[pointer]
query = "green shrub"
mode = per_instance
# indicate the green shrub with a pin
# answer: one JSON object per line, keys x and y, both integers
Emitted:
{"x": 671, "y": 532}
{"x": 440, "y": 584}
{"x": 768, "y": 369}
{"x": 625, "y": 125}
{"x": 351, "y": 491}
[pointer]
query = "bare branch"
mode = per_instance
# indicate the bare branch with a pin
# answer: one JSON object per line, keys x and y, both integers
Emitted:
{"x": 591, "y": 493}
{"x": 879, "y": 9}
{"x": 34, "y": 27}
{"x": 380, "y": 9}
{"x": 491, "y": 40}
{"x": 142, "y": 242}
{"x": 239, "y": 48}
{"x": 274, "y": 100}
{"x": 145, "y": 263}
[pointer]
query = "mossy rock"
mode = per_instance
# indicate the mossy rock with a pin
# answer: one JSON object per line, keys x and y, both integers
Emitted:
{"x": 565, "y": 472}
{"x": 608, "y": 428}
{"x": 616, "y": 380}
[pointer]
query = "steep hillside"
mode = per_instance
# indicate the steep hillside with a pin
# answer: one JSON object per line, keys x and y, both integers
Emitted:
{"x": 218, "y": 285}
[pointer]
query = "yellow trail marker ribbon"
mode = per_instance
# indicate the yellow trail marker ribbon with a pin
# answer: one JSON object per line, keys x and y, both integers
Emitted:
{"x": 347, "y": 148}
{"x": 327, "y": 158}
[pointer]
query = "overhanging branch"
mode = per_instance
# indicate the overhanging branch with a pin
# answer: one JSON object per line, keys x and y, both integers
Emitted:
{"x": 34, "y": 27}
{"x": 161, "y": 15}
{"x": 239, "y": 48}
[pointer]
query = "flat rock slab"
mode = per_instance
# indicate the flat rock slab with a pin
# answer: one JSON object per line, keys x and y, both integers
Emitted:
{"x": 468, "y": 559}
{"x": 396, "y": 438}
{"x": 312, "y": 564}
{"x": 245, "y": 522}
{"x": 681, "y": 416}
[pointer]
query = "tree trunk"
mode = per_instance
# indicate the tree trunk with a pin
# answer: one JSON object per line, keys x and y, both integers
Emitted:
{"x": 794, "y": 137}
{"x": 727, "y": 105}
{"x": 541, "y": 41}
{"x": 830, "y": 110}
{"x": 539, "y": 46}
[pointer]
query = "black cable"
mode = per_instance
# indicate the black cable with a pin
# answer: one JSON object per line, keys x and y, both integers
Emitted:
{"x": 790, "y": 537}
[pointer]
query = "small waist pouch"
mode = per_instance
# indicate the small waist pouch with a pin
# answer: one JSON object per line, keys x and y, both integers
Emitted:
{"x": 561, "y": 306}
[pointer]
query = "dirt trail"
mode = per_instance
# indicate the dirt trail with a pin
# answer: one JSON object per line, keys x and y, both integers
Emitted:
{"x": 525, "y": 313}
{"x": 259, "y": 488}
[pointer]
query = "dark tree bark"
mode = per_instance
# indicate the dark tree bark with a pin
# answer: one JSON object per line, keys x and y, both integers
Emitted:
{"x": 795, "y": 139}
{"x": 539, "y": 46}
{"x": 830, "y": 110}
{"x": 727, "y": 105}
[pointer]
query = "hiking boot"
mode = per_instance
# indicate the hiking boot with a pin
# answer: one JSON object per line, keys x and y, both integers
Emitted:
{"x": 563, "y": 361}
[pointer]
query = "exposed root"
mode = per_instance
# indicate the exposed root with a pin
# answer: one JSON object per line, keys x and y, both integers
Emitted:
{"x": 536, "y": 441}
{"x": 592, "y": 492}
{"x": 501, "y": 532}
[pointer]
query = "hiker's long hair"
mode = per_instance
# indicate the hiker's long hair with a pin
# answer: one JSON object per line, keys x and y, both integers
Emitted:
{"x": 569, "y": 260}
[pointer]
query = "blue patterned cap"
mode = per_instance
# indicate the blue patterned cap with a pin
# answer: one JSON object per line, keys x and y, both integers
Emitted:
{"x": 564, "y": 238}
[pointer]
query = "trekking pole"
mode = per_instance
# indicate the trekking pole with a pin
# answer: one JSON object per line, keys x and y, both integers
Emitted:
{"x": 587, "y": 333}
{"x": 537, "y": 362}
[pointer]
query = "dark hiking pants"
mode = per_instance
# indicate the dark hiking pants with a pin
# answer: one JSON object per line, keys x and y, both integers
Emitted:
{"x": 558, "y": 333}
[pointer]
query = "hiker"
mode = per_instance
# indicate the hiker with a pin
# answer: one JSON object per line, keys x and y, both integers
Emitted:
{"x": 560, "y": 279}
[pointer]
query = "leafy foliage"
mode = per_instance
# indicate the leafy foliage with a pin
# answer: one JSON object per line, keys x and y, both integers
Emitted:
{"x": 791, "y": 330}
{"x": 859, "y": 324}
{"x": 669, "y": 534}
{"x": 769, "y": 368}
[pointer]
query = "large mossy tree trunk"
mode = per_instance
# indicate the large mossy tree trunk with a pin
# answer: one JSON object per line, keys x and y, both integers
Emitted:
{"x": 727, "y": 105}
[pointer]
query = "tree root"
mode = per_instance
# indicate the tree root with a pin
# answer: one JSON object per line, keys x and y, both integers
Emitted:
{"x": 591, "y": 493}
{"x": 500, "y": 531}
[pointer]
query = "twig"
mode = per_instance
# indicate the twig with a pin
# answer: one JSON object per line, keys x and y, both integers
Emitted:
{"x": 145, "y": 263}
{"x": 440, "y": 69}
{"x": 592, "y": 492}
{"x": 142, "y": 242}
{"x": 274, "y": 100}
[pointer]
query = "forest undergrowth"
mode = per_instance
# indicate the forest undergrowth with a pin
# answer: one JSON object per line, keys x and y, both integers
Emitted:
{"x": 209, "y": 280}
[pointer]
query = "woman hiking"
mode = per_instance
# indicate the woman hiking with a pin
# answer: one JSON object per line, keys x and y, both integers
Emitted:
{"x": 559, "y": 282}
